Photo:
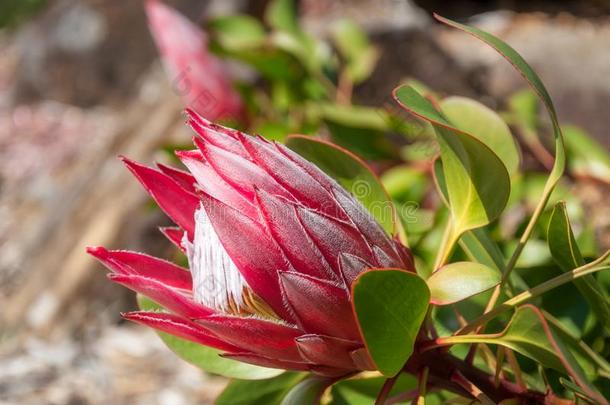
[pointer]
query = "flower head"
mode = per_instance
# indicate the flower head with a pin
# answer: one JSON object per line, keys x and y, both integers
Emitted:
{"x": 197, "y": 76}
{"x": 273, "y": 246}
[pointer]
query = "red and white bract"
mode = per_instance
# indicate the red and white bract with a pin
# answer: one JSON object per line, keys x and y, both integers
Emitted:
{"x": 273, "y": 244}
{"x": 195, "y": 74}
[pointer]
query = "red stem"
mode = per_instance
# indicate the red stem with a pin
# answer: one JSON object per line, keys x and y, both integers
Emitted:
{"x": 385, "y": 390}
{"x": 443, "y": 368}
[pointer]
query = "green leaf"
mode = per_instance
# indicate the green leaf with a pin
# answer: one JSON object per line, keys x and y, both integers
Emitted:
{"x": 534, "y": 81}
{"x": 524, "y": 108}
{"x": 270, "y": 391}
{"x": 355, "y": 48}
{"x": 587, "y": 157}
{"x": 237, "y": 32}
{"x": 460, "y": 280}
{"x": 282, "y": 15}
{"x": 576, "y": 390}
{"x": 207, "y": 358}
{"x": 530, "y": 334}
{"x": 352, "y": 173}
{"x": 306, "y": 49}
{"x": 308, "y": 391}
{"x": 353, "y": 116}
{"x": 479, "y": 246}
{"x": 390, "y": 306}
{"x": 476, "y": 180}
{"x": 567, "y": 255}
{"x": 475, "y": 118}
{"x": 405, "y": 183}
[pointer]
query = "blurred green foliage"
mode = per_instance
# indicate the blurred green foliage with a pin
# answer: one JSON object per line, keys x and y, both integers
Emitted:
{"x": 13, "y": 12}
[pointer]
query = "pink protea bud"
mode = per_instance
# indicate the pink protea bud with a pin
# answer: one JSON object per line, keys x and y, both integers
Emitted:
{"x": 273, "y": 246}
{"x": 195, "y": 74}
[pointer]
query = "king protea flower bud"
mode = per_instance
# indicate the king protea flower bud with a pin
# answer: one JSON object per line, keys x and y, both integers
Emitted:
{"x": 273, "y": 246}
{"x": 197, "y": 76}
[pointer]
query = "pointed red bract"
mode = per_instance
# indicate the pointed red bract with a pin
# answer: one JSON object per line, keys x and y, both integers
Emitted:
{"x": 164, "y": 295}
{"x": 320, "y": 306}
{"x": 180, "y": 327}
{"x": 263, "y": 361}
{"x": 174, "y": 234}
{"x": 240, "y": 173}
{"x": 291, "y": 177}
{"x": 265, "y": 338}
{"x": 184, "y": 179}
{"x": 331, "y": 351}
{"x": 334, "y": 237}
{"x": 177, "y": 203}
{"x": 281, "y": 219}
{"x": 126, "y": 262}
{"x": 210, "y": 182}
{"x": 218, "y": 139}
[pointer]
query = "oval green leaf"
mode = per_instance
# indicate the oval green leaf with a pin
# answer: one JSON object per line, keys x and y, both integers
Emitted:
{"x": 390, "y": 306}
{"x": 476, "y": 180}
{"x": 457, "y": 281}
{"x": 352, "y": 173}
{"x": 206, "y": 358}
{"x": 486, "y": 125}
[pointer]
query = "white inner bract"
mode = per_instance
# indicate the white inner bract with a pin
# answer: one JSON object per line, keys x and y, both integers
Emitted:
{"x": 217, "y": 283}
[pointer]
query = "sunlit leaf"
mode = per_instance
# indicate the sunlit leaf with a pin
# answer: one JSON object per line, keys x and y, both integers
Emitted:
{"x": 390, "y": 306}
{"x": 475, "y": 118}
{"x": 460, "y": 280}
{"x": 476, "y": 180}
{"x": 479, "y": 246}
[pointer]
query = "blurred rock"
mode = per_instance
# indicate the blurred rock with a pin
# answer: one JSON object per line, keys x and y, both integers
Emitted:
{"x": 117, "y": 365}
{"x": 374, "y": 16}
{"x": 87, "y": 52}
{"x": 571, "y": 55}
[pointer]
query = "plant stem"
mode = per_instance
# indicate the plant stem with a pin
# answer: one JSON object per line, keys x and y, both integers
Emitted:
{"x": 540, "y": 289}
{"x": 514, "y": 365}
{"x": 421, "y": 388}
{"x": 521, "y": 244}
{"x": 443, "y": 368}
{"x": 344, "y": 88}
{"x": 385, "y": 390}
{"x": 471, "y": 388}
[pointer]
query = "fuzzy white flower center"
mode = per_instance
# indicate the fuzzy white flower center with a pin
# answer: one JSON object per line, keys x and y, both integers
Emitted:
{"x": 217, "y": 283}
